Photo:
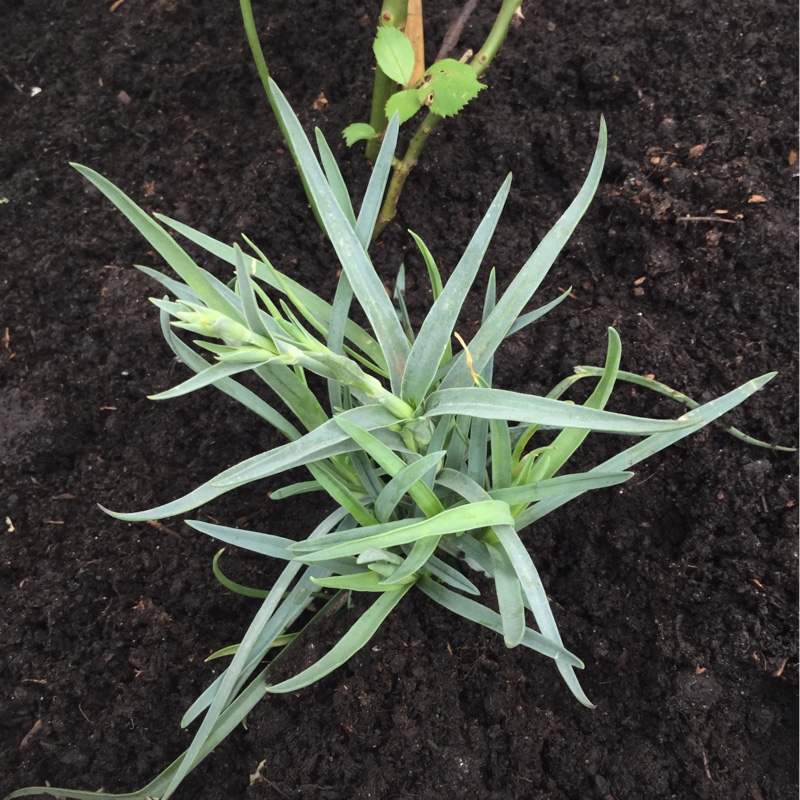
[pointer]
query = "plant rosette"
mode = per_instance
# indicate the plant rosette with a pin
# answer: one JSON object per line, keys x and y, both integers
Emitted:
{"x": 435, "y": 474}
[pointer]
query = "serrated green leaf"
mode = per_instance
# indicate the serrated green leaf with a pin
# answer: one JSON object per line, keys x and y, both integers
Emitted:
{"x": 394, "y": 54}
{"x": 358, "y": 132}
{"x": 405, "y": 104}
{"x": 448, "y": 86}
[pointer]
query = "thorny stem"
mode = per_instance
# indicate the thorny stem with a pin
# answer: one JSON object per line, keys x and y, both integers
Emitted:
{"x": 480, "y": 63}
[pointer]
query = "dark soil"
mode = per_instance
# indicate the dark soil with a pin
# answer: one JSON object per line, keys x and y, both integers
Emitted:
{"x": 679, "y": 591}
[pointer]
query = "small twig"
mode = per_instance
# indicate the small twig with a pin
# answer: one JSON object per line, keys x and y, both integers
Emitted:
{"x": 164, "y": 529}
{"x": 705, "y": 764}
{"x": 707, "y": 219}
{"x": 16, "y": 85}
{"x": 455, "y": 30}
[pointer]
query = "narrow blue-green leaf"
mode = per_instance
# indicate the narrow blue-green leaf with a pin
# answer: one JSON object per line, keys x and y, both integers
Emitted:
{"x": 400, "y": 484}
{"x": 526, "y": 572}
{"x": 295, "y": 393}
{"x": 293, "y": 606}
{"x": 293, "y": 489}
{"x": 390, "y": 462}
{"x": 476, "y": 554}
{"x": 391, "y": 534}
{"x": 341, "y": 492}
{"x": 441, "y": 570}
{"x": 434, "y": 335}
{"x": 352, "y": 641}
{"x": 697, "y": 419}
{"x": 479, "y": 428}
{"x": 237, "y": 588}
{"x": 509, "y": 596}
{"x": 214, "y": 373}
{"x": 458, "y": 446}
{"x": 502, "y": 404}
{"x": 476, "y": 458}
{"x": 162, "y": 242}
{"x": 320, "y": 308}
{"x": 175, "y": 288}
{"x": 264, "y": 543}
{"x": 680, "y": 397}
{"x": 367, "y": 474}
{"x": 336, "y": 333}
{"x": 528, "y": 279}
{"x": 366, "y": 284}
{"x": 399, "y": 298}
{"x": 537, "y": 598}
{"x": 430, "y": 264}
{"x": 532, "y": 316}
{"x": 272, "y": 619}
{"x": 422, "y": 550}
{"x": 334, "y": 176}
{"x": 252, "y": 313}
{"x": 480, "y": 614}
{"x": 373, "y": 197}
{"x": 230, "y": 387}
{"x": 322, "y": 442}
{"x": 501, "y": 454}
{"x": 226, "y": 692}
{"x": 555, "y": 487}
{"x": 367, "y": 581}
{"x": 569, "y": 440}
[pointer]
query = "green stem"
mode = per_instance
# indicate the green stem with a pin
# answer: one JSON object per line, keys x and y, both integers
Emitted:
{"x": 480, "y": 63}
{"x": 494, "y": 41}
{"x": 393, "y": 15}
{"x": 402, "y": 170}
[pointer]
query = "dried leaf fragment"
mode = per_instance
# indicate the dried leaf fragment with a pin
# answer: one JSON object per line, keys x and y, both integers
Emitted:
{"x": 697, "y": 150}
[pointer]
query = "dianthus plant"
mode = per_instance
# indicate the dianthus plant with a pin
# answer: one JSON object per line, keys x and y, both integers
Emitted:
{"x": 435, "y": 475}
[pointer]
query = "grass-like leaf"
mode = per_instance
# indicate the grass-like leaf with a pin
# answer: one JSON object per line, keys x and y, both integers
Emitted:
{"x": 434, "y": 335}
{"x": 352, "y": 641}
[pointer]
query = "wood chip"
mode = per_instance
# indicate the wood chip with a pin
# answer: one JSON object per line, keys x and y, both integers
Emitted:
{"x": 320, "y": 102}
{"x": 757, "y": 198}
{"x": 792, "y": 159}
{"x": 697, "y": 150}
{"x": 37, "y": 726}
